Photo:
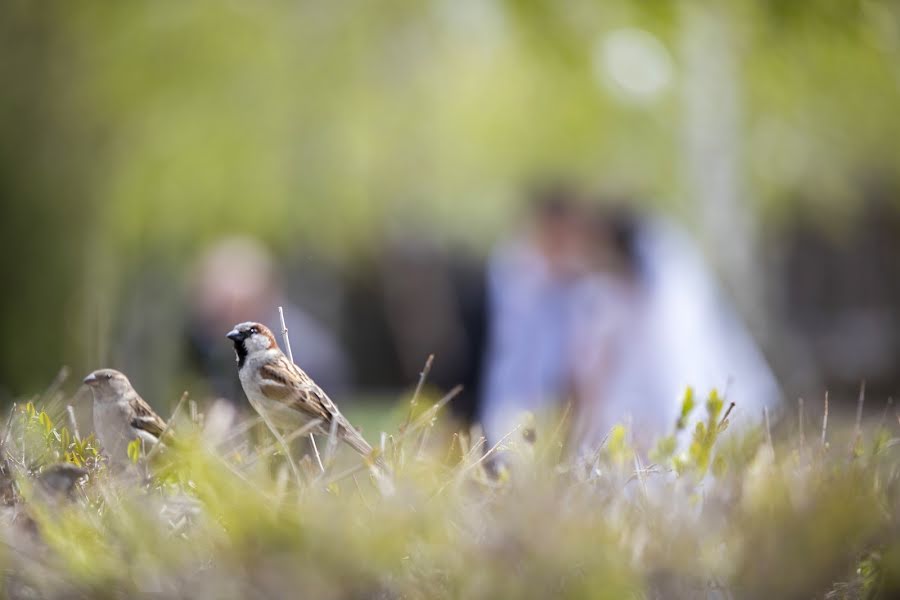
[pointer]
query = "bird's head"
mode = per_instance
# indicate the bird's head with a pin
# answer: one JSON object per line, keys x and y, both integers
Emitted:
{"x": 107, "y": 384}
{"x": 251, "y": 337}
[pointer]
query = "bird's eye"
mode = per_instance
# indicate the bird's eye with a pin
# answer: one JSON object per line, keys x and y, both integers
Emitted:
{"x": 253, "y": 330}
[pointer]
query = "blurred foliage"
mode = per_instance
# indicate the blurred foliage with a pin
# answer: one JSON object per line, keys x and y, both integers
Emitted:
{"x": 135, "y": 133}
{"x": 220, "y": 516}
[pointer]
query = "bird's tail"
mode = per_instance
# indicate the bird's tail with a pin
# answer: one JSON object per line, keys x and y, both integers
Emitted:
{"x": 358, "y": 443}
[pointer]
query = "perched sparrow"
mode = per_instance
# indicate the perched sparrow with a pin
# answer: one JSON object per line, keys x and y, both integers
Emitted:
{"x": 121, "y": 415}
{"x": 280, "y": 390}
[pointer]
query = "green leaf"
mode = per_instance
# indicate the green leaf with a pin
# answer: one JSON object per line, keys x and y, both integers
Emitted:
{"x": 74, "y": 459}
{"x": 714, "y": 405}
{"x": 699, "y": 433}
{"x": 687, "y": 405}
{"x": 134, "y": 450}
{"x": 617, "y": 444}
{"x": 44, "y": 419}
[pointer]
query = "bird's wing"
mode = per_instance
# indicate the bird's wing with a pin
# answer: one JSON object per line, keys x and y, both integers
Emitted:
{"x": 144, "y": 418}
{"x": 284, "y": 381}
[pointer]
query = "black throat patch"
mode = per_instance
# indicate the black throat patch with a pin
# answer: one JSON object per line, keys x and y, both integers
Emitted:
{"x": 241, "y": 352}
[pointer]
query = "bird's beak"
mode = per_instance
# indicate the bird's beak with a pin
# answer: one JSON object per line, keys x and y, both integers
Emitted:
{"x": 235, "y": 335}
{"x": 90, "y": 380}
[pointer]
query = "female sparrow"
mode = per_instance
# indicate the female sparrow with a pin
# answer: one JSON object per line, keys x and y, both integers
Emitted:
{"x": 121, "y": 415}
{"x": 280, "y": 390}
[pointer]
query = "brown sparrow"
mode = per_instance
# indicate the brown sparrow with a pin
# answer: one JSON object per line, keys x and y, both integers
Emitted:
{"x": 280, "y": 391}
{"x": 121, "y": 415}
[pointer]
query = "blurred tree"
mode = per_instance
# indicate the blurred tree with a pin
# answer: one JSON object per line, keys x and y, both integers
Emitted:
{"x": 46, "y": 173}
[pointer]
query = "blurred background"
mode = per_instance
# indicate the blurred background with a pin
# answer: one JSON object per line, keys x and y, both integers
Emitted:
{"x": 168, "y": 169}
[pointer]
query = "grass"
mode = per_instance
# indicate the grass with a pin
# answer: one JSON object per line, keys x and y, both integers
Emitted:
{"x": 728, "y": 513}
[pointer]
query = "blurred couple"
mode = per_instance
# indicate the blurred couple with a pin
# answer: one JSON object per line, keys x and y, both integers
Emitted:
{"x": 615, "y": 313}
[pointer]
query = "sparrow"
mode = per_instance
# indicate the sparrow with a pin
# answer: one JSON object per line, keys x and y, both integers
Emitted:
{"x": 282, "y": 392}
{"x": 121, "y": 415}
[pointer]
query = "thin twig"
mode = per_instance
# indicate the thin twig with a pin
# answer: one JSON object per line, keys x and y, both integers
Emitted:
{"x": 825, "y": 420}
{"x": 332, "y": 444}
{"x": 453, "y": 441}
{"x": 312, "y": 440}
{"x": 768, "y": 430}
{"x": 802, "y": 430}
{"x": 562, "y": 421}
{"x": 463, "y": 442}
{"x": 725, "y": 416}
{"x": 415, "y": 397}
{"x": 859, "y": 410}
{"x": 361, "y": 495}
{"x": 599, "y": 452}
{"x": 552, "y": 440}
{"x": 165, "y": 430}
{"x": 284, "y": 335}
{"x": 422, "y": 440}
{"x": 287, "y": 349}
{"x": 473, "y": 450}
{"x": 859, "y": 405}
{"x": 888, "y": 405}
{"x": 639, "y": 473}
{"x": 73, "y": 423}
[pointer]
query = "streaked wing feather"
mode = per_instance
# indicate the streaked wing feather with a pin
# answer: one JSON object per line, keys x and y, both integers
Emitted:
{"x": 285, "y": 381}
{"x": 145, "y": 418}
{"x": 276, "y": 391}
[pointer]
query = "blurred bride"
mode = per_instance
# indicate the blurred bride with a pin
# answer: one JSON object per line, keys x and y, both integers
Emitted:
{"x": 650, "y": 320}
{"x": 617, "y": 313}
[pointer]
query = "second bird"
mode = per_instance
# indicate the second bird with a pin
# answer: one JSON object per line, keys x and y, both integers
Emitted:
{"x": 121, "y": 415}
